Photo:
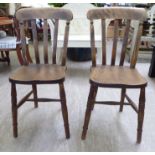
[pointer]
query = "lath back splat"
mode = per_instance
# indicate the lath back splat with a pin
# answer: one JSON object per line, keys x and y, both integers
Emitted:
{"x": 55, "y": 15}
{"x": 117, "y": 15}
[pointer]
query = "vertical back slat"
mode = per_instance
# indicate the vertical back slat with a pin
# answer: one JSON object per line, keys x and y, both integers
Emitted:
{"x": 114, "y": 48}
{"x": 45, "y": 41}
{"x": 65, "y": 44}
{"x": 23, "y": 41}
{"x": 136, "y": 46}
{"x": 35, "y": 41}
{"x": 92, "y": 37}
{"x": 55, "y": 40}
{"x": 103, "y": 26}
{"x": 125, "y": 42}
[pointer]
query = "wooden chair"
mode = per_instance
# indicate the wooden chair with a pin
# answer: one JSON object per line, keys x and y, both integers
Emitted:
{"x": 116, "y": 76}
{"x": 41, "y": 73}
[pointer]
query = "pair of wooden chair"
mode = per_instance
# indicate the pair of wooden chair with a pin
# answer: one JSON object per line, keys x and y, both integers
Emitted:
{"x": 103, "y": 75}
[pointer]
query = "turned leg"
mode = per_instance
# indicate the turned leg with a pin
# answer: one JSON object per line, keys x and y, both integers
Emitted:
{"x": 34, "y": 87}
{"x": 14, "y": 109}
{"x": 91, "y": 99}
{"x": 141, "y": 114}
{"x": 123, "y": 91}
{"x": 94, "y": 96}
{"x": 64, "y": 109}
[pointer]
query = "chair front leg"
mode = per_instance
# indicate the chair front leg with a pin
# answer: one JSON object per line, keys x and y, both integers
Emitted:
{"x": 141, "y": 114}
{"x": 34, "y": 88}
{"x": 91, "y": 99}
{"x": 64, "y": 109}
{"x": 123, "y": 91}
{"x": 94, "y": 95}
{"x": 14, "y": 109}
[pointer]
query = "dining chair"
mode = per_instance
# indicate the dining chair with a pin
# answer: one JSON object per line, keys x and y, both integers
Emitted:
{"x": 45, "y": 71}
{"x": 11, "y": 42}
{"x": 116, "y": 76}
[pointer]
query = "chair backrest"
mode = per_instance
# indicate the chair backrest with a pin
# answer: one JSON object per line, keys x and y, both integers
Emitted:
{"x": 125, "y": 14}
{"x": 30, "y": 15}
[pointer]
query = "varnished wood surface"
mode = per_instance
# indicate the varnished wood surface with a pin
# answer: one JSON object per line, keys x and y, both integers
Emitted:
{"x": 35, "y": 74}
{"x": 38, "y": 74}
{"x": 44, "y": 13}
{"x": 117, "y": 13}
{"x": 116, "y": 76}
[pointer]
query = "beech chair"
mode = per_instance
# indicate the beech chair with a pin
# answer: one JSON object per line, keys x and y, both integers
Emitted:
{"x": 41, "y": 73}
{"x": 116, "y": 76}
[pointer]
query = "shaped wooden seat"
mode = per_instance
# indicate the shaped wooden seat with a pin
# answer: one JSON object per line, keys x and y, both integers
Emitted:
{"x": 37, "y": 73}
{"x": 116, "y": 76}
{"x": 42, "y": 73}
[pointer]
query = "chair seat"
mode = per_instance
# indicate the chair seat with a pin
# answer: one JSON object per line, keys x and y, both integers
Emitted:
{"x": 41, "y": 74}
{"x": 116, "y": 76}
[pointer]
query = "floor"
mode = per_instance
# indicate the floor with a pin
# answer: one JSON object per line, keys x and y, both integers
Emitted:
{"x": 42, "y": 129}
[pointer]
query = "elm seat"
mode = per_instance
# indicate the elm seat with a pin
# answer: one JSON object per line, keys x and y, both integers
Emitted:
{"x": 116, "y": 76}
{"x": 36, "y": 74}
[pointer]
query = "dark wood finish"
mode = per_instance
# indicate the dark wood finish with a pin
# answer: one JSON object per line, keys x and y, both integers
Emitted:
{"x": 136, "y": 47}
{"x": 14, "y": 109}
{"x": 35, "y": 41}
{"x": 64, "y": 109}
{"x": 122, "y": 99}
{"x": 114, "y": 48}
{"x": 35, "y": 74}
{"x": 55, "y": 40}
{"x": 34, "y": 88}
{"x": 93, "y": 53}
{"x": 116, "y": 76}
{"x": 91, "y": 100}
{"x": 125, "y": 42}
{"x": 38, "y": 74}
{"x": 141, "y": 114}
{"x": 45, "y": 33}
{"x": 64, "y": 56}
{"x": 103, "y": 25}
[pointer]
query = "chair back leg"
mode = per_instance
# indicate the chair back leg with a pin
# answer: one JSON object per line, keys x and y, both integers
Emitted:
{"x": 64, "y": 109}
{"x": 141, "y": 114}
{"x": 90, "y": 104}
{"x": 14, "y": 109}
